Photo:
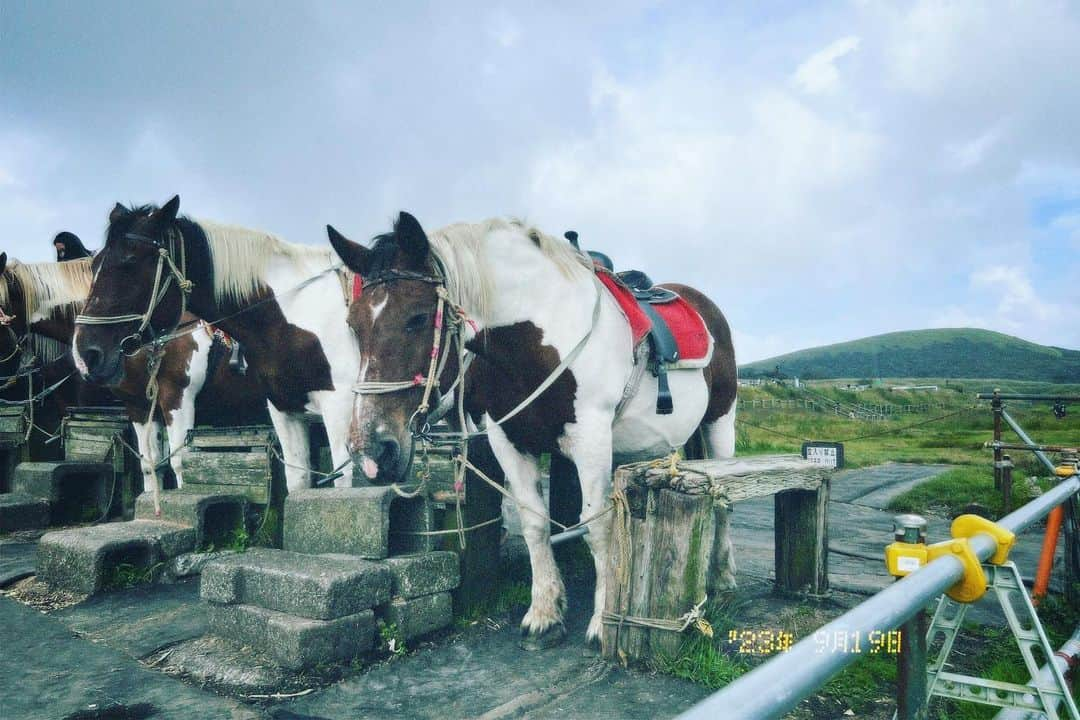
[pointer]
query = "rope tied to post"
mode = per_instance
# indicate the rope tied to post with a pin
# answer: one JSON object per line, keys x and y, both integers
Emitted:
{"x": 695, "y": 617}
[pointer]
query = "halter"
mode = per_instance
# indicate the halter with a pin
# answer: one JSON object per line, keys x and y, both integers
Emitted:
{"x": 170, "y": 244}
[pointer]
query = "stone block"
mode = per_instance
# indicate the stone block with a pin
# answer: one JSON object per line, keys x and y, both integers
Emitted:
{"x": 84, "y": 559}
{"x": 76, "y": 491}
{"x": 22, "y": 512}
{"x": 424, "y": 573}
{"x": 318, "y": 587}
{"x": 291, "y": 641}
{"x": 418, "y": 616}
{"x": 214, "y": 517}
{"x": 352, "y": 521}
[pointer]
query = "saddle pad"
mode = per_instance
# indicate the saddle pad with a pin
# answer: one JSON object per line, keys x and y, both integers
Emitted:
{"x": 682, "y": 319}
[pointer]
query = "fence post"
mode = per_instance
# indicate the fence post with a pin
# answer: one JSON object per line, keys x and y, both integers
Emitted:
{"x": 1006, "y": 482}
{"x": 995, "y": 405}
{"x": 911, "y": 662}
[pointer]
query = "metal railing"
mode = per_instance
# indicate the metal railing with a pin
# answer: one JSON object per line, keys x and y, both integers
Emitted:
{"x": 779, "y": 685}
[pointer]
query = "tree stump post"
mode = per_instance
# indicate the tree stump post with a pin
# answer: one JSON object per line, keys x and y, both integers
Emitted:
{"x": 802, "y": 540}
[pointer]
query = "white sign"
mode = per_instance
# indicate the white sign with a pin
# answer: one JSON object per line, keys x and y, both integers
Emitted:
{"x": 822, "y": 456}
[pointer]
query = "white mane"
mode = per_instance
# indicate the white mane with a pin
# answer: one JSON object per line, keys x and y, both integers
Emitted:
{"x": 47, "y": 285}
{"x": 241, "y": 257}
{"x": 469, "y": 281}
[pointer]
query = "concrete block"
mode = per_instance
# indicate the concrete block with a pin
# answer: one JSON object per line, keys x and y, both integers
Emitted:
{"x": 22, "y": 512}
{"x": 76, "y": 491}
{"x": 424, "y": 573}
{"x": 352, "y": 521}
{"x": 294, "y": 642}
{"x": 319, "y": 587}
{"x": 214, "y": 517}
{"x": 408, "y": 517}
{"x": 418, "y": 616}
{"x": 84, "y": 559}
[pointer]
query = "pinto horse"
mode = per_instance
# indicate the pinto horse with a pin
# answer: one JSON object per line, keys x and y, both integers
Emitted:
{"x": 285, "y": 303}
{"x": 536, "y": 314}
{"x": 42, "y": 300}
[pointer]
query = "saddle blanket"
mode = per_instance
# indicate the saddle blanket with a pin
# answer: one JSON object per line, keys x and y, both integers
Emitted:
{"x": 691, "y": 336}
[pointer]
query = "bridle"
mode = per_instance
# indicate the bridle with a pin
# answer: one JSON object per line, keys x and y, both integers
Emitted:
{"x": 169, "y": 245}
{"x": 421, "y": 420}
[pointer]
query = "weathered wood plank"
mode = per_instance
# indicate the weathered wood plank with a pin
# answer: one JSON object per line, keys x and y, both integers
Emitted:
{"x": 740, "y": 478}
{"x": 802, "y": 540}
{"x": 227, "y": 468}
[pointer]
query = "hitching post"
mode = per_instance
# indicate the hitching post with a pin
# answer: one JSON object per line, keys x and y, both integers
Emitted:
{"x": 911, "y": 662}
{"x": 995, "y": 405}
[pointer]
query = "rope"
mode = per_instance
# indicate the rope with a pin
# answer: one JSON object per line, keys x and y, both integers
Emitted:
{"x": 451, "y": 531}
{"x": 694, "y": 616}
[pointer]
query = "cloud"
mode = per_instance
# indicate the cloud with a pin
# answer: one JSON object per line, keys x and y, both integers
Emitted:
{"x": 818, "y": 74}
{"x": 1004, "y": 298}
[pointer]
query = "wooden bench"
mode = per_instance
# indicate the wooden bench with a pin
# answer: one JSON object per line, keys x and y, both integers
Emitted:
{"x": 669, "y": 542}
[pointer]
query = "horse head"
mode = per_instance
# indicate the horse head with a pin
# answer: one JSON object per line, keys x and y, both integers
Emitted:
{"x": 138, "y": 290}
{"x": 394, "y": 318}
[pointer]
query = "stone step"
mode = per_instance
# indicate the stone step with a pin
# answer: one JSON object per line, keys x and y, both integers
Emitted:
{"x": 19, "y": 511}
{"x": 370, "y": 522}
{"x": 215, "y": 518}
{"x": 424, "y": 573}
{"x": 86, "y": 559}
{"x": 418, "y": 616}
{"x": 318, "y": 587}
{"x": 76, "y": 491}
{"x": 294, "y": 642}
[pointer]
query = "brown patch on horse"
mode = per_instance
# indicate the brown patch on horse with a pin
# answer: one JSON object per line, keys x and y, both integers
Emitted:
{"x": 512, "y": 361}
{"x": 721, "y": 374}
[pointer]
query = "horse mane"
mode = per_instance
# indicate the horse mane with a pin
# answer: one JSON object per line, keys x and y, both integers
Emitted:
{"x": 469, "y": 281}
{"x": 48, "y": 349}
{"x": 48, "y": 285}
{"x": 241, "y": 257}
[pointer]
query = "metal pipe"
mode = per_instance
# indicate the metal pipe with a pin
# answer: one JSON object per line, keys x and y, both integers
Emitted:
{"x": 566, "y": 535}
{"x": 1024, "y": 436}
{"x": 1023, "y": 446}
{"x": 779, "y": 685}
{"x": 1022, "y": 396}
{"x": 1063, "y": 658}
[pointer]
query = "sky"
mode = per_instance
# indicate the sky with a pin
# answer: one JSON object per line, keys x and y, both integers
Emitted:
{"x": 823, "y": 172}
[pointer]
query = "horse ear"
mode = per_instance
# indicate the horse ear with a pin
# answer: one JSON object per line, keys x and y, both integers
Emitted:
{"x": 355, "y": 256}
{"x": 168, "y": 211}
{"x": 118, "y": 212}
{"x": 3, "y": 261}
{"x": 411, "y": 237}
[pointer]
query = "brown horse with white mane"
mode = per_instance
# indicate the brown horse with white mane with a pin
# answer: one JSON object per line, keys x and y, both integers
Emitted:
{"x": 555, "y": 367}
{"x": 41, "y": 300}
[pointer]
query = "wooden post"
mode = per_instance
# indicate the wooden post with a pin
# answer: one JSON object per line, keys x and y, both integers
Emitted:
{"x": 802, "y": 540}
{"x": 480, "y": 557}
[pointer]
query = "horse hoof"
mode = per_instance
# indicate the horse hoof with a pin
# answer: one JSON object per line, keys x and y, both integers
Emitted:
{"x": 544, "y": 640}
{"x": 591, "y": 649}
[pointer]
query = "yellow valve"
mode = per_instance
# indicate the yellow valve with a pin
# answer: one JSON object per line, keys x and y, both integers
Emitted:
{"x": 1064, "y": 471}
{"x": 972, "y": 585}
{"x": 967, "y": 526}
{"x": 903, "y": 558}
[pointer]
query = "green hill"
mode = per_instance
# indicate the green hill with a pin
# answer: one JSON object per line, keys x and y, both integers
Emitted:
{"x": 944, "y": 353}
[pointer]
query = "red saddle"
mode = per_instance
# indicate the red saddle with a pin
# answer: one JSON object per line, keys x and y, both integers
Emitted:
{"x": 688, "y": 327}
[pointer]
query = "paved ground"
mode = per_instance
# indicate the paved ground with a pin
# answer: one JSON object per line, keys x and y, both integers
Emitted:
{"x": 78, "y": 662}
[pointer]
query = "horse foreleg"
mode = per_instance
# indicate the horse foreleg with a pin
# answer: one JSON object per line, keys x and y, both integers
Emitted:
{"x": 147, "y": 437}
{"x": 589, "y": 446}
{"x": 181, "y": 421}
{"x": 337, "y": 414}
{"x": 543, "y": 623}
{"x": 295, "y": 447}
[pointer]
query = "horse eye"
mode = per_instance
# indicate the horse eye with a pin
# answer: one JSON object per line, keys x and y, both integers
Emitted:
{"x": 416, "y": 322}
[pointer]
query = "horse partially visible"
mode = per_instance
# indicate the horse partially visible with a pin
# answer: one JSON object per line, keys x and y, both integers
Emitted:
{"x": 285, "y": 303}
{"x": 536, "y": 313}
{"x": 41, "y": 302}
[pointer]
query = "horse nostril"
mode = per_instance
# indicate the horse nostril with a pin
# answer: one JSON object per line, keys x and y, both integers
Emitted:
{"x": 93, "y": 357}
{"x": 388, "y": 450}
